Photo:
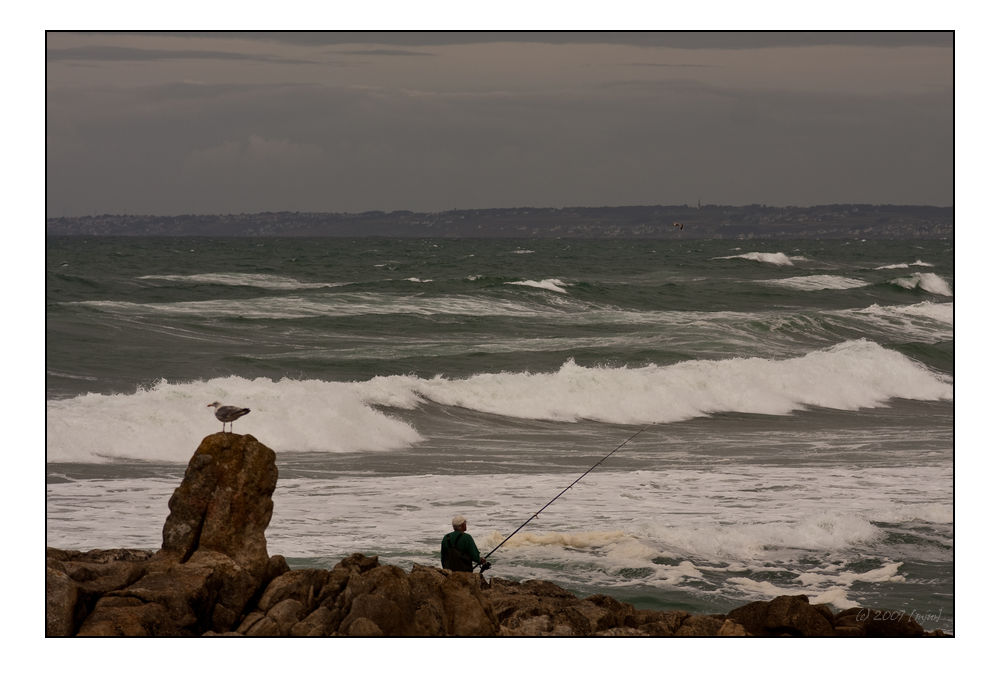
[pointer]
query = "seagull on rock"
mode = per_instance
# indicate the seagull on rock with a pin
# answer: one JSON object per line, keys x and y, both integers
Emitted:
{"x": 227, "y": 413}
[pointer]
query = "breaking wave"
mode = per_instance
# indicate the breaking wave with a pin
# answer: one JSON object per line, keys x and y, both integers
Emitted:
{"x": 260, "y": 281}
{"x": 771, "y": 258}
{"x": 157, "y": 422}
{"x": 817, "y": 282}
{"x": 926, "y": 281}
{"x": 547, "y": 284}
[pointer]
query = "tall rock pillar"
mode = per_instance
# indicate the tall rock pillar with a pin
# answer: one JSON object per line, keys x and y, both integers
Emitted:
{"x": 224, "y": 502}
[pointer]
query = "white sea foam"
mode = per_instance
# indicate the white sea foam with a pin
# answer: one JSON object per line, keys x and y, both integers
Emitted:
{"x": 576, "y": 540}
{"x": 155, "y": 423}
{"x": 904, "y": 265}
{"x": 934, "y": 513}
{"x": 736, "y": 329}
{"x": 761, "y": 588}
{"x": 837, "y": 597}
{"x": 780, "y": 538}
{"x": 927, "y": 321}
{"x": 335, "y": 305}
{"x": 749, "y": 540}
{"x": 772, "y": 258}
{"x": 683, "y": 570}
{"x": 134, "y": 509}
{"x": 547, "y": 284}
{"x": 886, "y": 573}
{"x": 262, "y": 281}
{"x": 719, "y": 520}
{"x": 833, "y": 585}
{"x": 941, "y": 312}
{"x": 261, "y": 308}
{"x": 848, "y": 376}
{"x": 68, "y": 375}
{"x": 928, "y": 281}
{"x": 817, "y": 282}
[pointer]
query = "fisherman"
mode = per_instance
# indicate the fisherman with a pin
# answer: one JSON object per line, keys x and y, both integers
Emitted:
{"x": 458, "y": 549}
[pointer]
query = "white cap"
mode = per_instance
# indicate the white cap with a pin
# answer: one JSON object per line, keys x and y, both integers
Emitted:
{"x": 457, "y": 521}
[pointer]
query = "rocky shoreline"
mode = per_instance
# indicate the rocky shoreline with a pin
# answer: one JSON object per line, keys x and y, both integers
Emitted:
{"x": 213, "y": 577}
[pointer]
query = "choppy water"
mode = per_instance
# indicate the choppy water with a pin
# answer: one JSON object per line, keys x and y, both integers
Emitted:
{"x": 798, "y": 397}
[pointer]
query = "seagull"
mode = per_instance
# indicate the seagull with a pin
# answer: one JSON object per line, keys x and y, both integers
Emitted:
{"x": 227, "y": 413}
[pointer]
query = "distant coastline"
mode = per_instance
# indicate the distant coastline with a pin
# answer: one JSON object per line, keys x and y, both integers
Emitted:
{"x": 876, "y": 221}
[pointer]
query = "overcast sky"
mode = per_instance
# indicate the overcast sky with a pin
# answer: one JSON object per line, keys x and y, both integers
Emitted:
{"x": 174, "y": 123}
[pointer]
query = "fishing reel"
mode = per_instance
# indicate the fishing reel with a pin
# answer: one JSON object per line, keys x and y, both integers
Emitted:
{"x": 484, "y": 566}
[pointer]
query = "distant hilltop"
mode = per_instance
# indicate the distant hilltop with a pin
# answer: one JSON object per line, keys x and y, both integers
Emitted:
{"x": 727, "y": 222}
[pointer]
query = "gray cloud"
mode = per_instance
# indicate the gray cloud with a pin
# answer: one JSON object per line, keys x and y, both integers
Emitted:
{"x": 669, "y": 65}
{"x": 673, "y": 39}
{"x": 437, "y": 152}
{"x": 384, "y": 52}
{"x": 465, "y": 128}
{"x": 125, "y": 53}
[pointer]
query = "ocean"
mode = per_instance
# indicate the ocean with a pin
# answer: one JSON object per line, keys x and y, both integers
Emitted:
{"x": 795, "y": 400}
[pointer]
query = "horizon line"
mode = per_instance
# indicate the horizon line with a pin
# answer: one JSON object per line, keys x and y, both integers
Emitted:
{"x": 504, "y": 208}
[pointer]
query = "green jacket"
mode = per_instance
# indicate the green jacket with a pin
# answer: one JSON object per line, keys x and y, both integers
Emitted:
{"x": 468, "y": 553}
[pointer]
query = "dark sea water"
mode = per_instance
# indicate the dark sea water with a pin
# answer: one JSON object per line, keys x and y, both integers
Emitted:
{"x": 797, "y": 398}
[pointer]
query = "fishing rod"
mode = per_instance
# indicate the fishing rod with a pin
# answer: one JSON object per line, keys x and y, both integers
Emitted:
{"x": 483, "y": 561}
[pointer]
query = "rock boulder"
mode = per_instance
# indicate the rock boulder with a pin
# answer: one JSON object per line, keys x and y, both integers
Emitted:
{"x": 224, "y": 502}
{"x": 786, "y": 615}
{"x": 212, "y": 563}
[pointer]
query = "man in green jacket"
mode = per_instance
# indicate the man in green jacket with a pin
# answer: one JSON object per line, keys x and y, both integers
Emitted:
{"x": 458, "y": 549}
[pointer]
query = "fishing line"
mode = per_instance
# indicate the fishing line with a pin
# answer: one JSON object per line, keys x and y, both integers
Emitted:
{"x": 606, "y": 457}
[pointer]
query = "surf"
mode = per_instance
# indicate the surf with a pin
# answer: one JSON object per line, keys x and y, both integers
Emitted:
{"x": 772, "y": 258}
{"x": 157, "y": 422}
{"x": 162, "y": 422}
{"x": 849, "y": 376}
{"x": 924, "y": 281}
{"x": 556, "y": 285}
{"x": 260, "y": 281}
{"x": 817, "y": 282}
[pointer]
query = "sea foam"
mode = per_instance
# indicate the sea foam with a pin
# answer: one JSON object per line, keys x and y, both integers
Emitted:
{"x": 904, "y": 265}
{"x": 749, "y": 541}
{"x": 156, "y": 422}
{"x": 849, "y": 376}
{"x": 817, "y": 282}
{"x": 547, "y": 284}
{"x": 926, "y": 281}
{"x": 346, "y": 304}
{"x": 773, "y": 258}
{"x": 261, "y": 281}
{"x": 941, "y": 312}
